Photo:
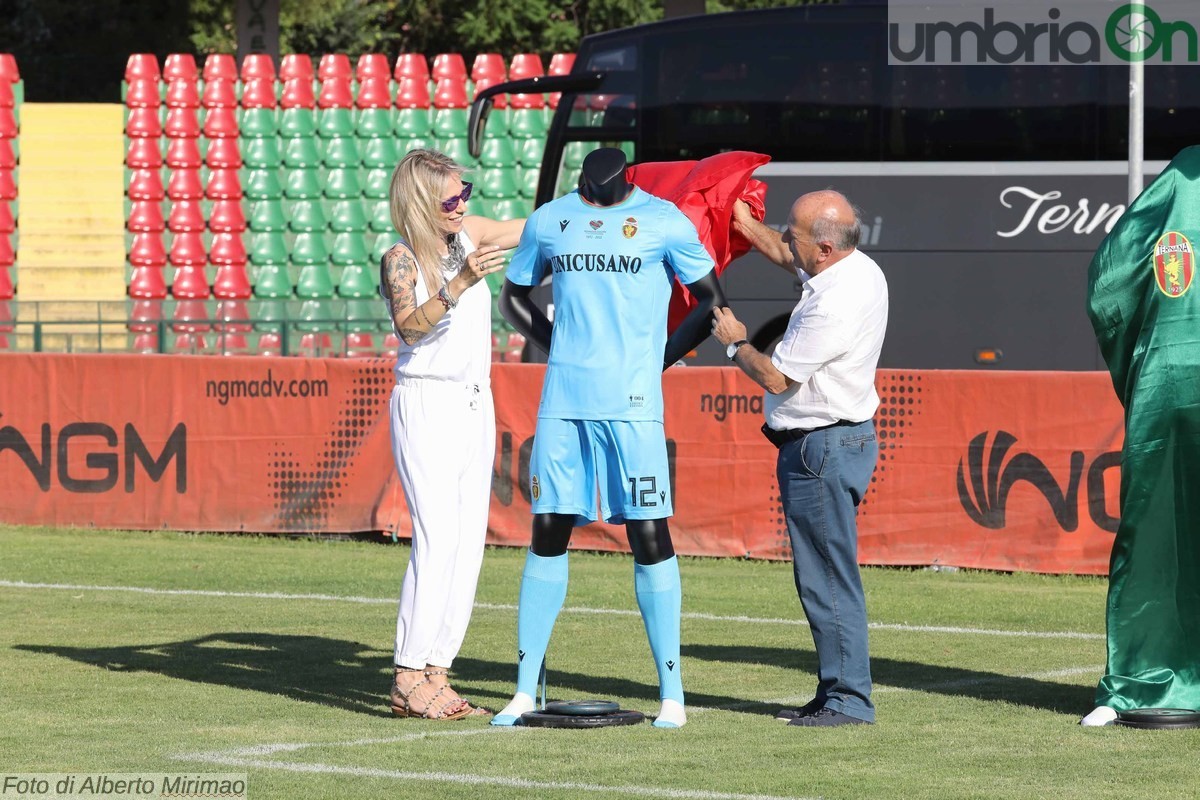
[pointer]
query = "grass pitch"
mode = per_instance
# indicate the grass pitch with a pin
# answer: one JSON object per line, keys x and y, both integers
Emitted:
{"x": 160, "y": 652}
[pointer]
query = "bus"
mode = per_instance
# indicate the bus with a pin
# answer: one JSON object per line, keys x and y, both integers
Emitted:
{"x": 984, "y": 189}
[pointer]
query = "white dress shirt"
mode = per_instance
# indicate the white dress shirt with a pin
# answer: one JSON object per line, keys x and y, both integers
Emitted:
{"x": 831, "y": 347}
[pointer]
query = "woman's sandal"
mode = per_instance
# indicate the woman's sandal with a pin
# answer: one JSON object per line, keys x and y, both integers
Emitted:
{"x": 429, "y": 707}
{"x": 472, "y": 711}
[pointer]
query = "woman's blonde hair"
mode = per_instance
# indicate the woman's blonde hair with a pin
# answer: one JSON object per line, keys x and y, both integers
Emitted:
{"x": 415, "y": 203}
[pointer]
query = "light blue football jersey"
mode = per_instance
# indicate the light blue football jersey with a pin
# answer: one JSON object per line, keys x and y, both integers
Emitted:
{"x": 612, "y": 270}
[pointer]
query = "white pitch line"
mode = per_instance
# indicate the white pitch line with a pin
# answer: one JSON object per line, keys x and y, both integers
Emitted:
{"x": 691, "y": 615}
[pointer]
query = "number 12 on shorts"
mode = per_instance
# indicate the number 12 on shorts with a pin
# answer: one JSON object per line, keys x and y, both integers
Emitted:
{"x": 644, "y": 497}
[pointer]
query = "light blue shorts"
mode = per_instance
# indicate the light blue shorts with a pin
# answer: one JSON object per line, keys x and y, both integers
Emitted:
{"x": 625, "y": 461}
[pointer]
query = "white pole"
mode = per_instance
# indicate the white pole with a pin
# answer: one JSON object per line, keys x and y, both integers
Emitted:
{"x": 1137, "y": 86}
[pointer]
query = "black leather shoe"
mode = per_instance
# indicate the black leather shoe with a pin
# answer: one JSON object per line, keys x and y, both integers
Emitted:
{"x": 827, "y": 718}
{"x": 809, "y": 708}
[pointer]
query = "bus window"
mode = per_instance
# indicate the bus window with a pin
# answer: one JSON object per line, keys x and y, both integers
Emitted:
{"x": 1172, "y": 109}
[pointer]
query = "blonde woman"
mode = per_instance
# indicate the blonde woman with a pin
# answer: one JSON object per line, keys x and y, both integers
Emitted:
{"x": 442, "y": 421}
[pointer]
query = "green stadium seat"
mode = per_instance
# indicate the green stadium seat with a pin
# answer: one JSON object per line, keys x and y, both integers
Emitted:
{"x": 413, "y": 123}
{"x": 315, "y": 281}
{"x": 318, "y": 314}
{"x": 527, "y": 123}
{"x": 258, "y": 123}
{"x": 348, "y": 249}
{"x": 415, "y": 143}
{"x": 302, "y": 153}
{"x": 348, "y": 216}
{"x": 498, "y": 182}
{"x": 359, "y": 280}
{"x": 381, "y": 218}
{"x": 450, "y": 123}
{"x": 334, "y": 122}
{"x": 342, "y": 184}
{"x": 498, "y": 153}
{"x": 302, "y": 184}
{"x": 262, "y": 184}
{"x": 268, "y": 248}
{"x": 309, "y": 249}
{"x": 262, "y": 153}
{"x": 383, "y": 243}
{"x": 380, "y": 153}
{"x": 457, "y": 150}
{"x": 530, "y": 152}
{"x": 568, "y": 181}
{"x": 269, "y": 311}
{"x": 307, "y": 217}
{"x": 482, "y": 206}
{"x": 511, "y": 208}
{"x": 527, "y": 182}
{"x": 267, "y": 215}
{"x": 272, "y": 281}
{"x": 362, "y": 313}
{"x": 497, "y": 124}
{"x": 378, "y": 184}
{"x": 341, "y": 152}
{"x": 374, "y": 123}
{"x": 296, "y": 122}
{"x": 575, "y": 152}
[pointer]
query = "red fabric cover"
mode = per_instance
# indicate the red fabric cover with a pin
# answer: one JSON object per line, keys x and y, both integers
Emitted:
{"x": 705, "y": 192}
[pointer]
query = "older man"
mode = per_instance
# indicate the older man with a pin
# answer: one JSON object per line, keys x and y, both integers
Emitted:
{"x": 819, "y": 404}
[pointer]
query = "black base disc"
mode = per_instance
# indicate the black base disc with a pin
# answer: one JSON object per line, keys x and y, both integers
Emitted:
{"x": 1159, "y": 718}
{"x": 541, "y": 719}
{"x": 581, "y": 708}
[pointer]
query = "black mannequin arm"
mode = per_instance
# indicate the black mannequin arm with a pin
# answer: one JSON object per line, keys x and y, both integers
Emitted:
{"x": 697, "y": 325}
{"x": 522, "y": 313}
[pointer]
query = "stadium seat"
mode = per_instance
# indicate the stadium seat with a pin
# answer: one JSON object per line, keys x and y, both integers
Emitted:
{"x": 498, "y": 153}
{"x": 412, "y": 93}
{"x": 8, "y": 185}
{"x": 334, "y": 65}
{"x": 263, "y": 184}
{"x": 295, "y": 122}
{"x": 374, "y": 123}
{"x": 226, "y": 216}
{"x": 259, "y": 123}
{"x": 381, "y": 219}
{"x": 272, "y": 281}
{"x": 359, "y": 281}
{"x": 413, "y": 123}
{"x": 257, "y": 66}
{"x": 223, "y": 154}
{"x": 359, "y": 344}
{"x": 383, "y": 243}
{"x": 145, "y": 314}
{"x": 230, "y": 343}
{"x": 227, "y": 248}
{"x": 144, "y": 184}
{"x": 498, "y": 182}
{"x": 336, "y": 92}
{"x": 314, "y": 281}
{"x": 147, "y": 250}
{"x": 8, "y": 224}
{"x": 219, "y": 93}
{"x": 296, "y": 65}
{"x": 189, "y": 343}
{"x": 181, "y": 94}
{"x": 142, "y": 123}
{"x": 307, "y": 216}
{"x": 141, "y": 93}
{"x": 499, "y": 101}
{"x": 7, "y": 255}
{"x": 146, "y": 283}
{"x": 372, "y": 65}
{"x": 561, "y": 64}
{"x": 457, "y": 149}
{"x": 533, "y": 100}
{"x": 185, "y": 184}
{"x": 269, "y": 343}
{"x": 268, "y": 248}
{"x": 316, "y": 341}
{"x": 335, "y": 122}
{"x": 525, "y": 65}
{"x": 144, "y": 342}
{"x": 180, "y": 66}
{"x": 449, "y": 66}
{"x": 347, "y": 216}
{"x": 262, "y": 153}
{"x": 531, "y": 152}
{"x": 302, "y": 184}
{"x": 379, "y": 153}
{"x": 7, "y": 98}
{"x": 309, "y": 248}
{"x": 144, "y": 217}
{"x": 511, "y": 208}
{"x": 488, "y": 66}
{"x": 527, "y": 182}
{"x": 221, "y": 123}
{"x": 220, "y": 66}
{"x": 450, "y": 93}
{"x": 374, "y": 92}
{"x": 258, "y": 93}
{"x": 186, "y": 216}
{"x": 378, "y": 184}
{"x": 267, "y": 215}
{"x": 411, "y": 65}
{"x": 348, "y": 249}
{"x": 223, "y": 184}
{"x": 527, "y": 123}
{"x": 232, "y": 315}
{"x": 301, "y": 153}
{"x": 187, "y": 250}
{"x": 142, "y": 154}
{"x": 231, "y": 282}
{"x": 189, "y": 283}
{"x": 140, "y": 65}
{"x": 181, "y": 123}
{"x": 416, "y": 143}
{"x": 297, "y": 93}
{"x": 450, "y": 123}
{"x": 342, "y": 184}
{"x": 183, "y": 154}
{"x": 340, "y": 152}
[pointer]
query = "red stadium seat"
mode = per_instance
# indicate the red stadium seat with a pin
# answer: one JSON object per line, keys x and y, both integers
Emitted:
{"x": 183, "y": 154}
{"x": 499, "y": 101}
{"x": 146, "y": 283}
{"x": 147, "y": 251}
{"x": 7, "y": 99}
{"x": 259, "y": 93}
{"x": 230, "y": 343}
{"x": 226, "y": 216}
{"x": 223, "y": 184}
{"x": 145, "y": 216}
{"x": 190, "y": 343}
{"x": 411, "y": 65}
{"x": 8, "y": 185}
{"x": 181, "y": 124}
{"x": 187, "y": 216}
{"x": 232, "y": 315}
{"x": 180, "y": 66}
{"x": 142, "y": 123}
{"x": 8, "y": 68}
{"x": 181, "y": 93}
{"x": 7, "y": 256}
{"x": 219, "y": 93}
{"x": 223, "y": 154}
{"x": 359, "y": 345}
{"x": 7, "y": 223}
{"x": 561, "y": 64}
{"x": 144, "y": 342}
{"x": 375, "y": 93}
{"x": 141, "y": 93}
{"x": 8, "y": 159}
{"x": 227, "y": 249}
{"x": 270, "y": 344}
{"x": 315, "y": 345}
{"x": 450, "y": 93}
{"x": 336, "y": 93}
{"x": 138, "y": 65}
{"x": 525, "y": 65}
{"x": 297, "y": 93}
{"x": 526, "y": 101}
{"x": 144, "y": 184}
{"x": 191, "y": 315}
{"x": 8, "y": 124}
{"x": 488, "y": 66}
{"x": 334, "y": 65}
{"x": 372, "y": 65}
{"x": 187, "y": 250}
{"x": 221, "y": 123}
{"x": 220, "y": 65}
{"x": 296, "y": 65}
{"x": 142, "y": 154}
{"x": 258, "y": 66}
{"x": 144, "y": 315}
{"x": 231, "y": 282}
{"x": 449, "y": 65}
{"x": 185, "y": 184}
{"x": 412, "y": 93}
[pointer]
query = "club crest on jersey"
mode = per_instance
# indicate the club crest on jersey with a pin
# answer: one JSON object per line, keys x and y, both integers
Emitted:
{"x": 629, "y": 228}
{"x": 535, "y": 488}
{"x": 1174, "y": 265}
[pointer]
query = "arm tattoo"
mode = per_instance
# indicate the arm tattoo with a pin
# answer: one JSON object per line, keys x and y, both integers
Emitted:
{"x": 425, "y": 317}
{"x": 400, "y": 271}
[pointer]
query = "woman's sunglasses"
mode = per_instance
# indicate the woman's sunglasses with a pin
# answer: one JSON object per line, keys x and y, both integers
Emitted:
{"x": 464, "y": 196}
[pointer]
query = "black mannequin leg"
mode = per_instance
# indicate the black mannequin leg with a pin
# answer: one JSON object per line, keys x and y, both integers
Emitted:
{"x": 551, "y": 534}
{"x": 650, "y": 540}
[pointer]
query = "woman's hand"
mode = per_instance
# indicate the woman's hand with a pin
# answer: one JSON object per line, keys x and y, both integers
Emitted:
{"x": 480, "y": 263}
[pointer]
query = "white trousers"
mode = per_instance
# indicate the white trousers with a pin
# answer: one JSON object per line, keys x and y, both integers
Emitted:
{"x": 444, "y": 441}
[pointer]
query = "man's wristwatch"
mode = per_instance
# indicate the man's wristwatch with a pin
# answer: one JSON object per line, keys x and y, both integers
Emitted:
{"x": 731, "y": 350}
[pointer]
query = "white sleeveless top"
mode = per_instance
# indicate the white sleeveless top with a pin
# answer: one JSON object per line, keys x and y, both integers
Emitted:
{"x": 459, "y": 348}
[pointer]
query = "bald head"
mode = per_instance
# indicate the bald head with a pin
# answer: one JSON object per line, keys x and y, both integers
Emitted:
{"x": 827, "y": 216}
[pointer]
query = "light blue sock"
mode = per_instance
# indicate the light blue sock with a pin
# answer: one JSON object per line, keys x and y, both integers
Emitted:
{"x": 543, "y": 590}
{"x": 660, "y": 598}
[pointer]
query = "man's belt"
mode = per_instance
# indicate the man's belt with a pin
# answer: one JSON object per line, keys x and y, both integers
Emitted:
{"x": 780, "y": 438}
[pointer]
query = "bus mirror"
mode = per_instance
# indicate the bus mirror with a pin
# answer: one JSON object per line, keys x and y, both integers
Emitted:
{"x": 543, "y": 84}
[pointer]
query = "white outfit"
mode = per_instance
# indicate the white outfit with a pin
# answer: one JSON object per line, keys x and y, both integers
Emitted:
{"x": 843, "y": 315}
{"x": 444, "y": 441}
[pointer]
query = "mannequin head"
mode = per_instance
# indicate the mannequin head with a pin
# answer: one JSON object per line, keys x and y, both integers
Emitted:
{"x": 602, "y": 181}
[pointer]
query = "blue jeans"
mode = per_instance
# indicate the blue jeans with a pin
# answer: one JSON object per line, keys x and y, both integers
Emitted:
{"x": 822, "y": 478}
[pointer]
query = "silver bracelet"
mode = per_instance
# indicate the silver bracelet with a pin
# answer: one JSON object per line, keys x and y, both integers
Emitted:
{"x": 447, "y": 300}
